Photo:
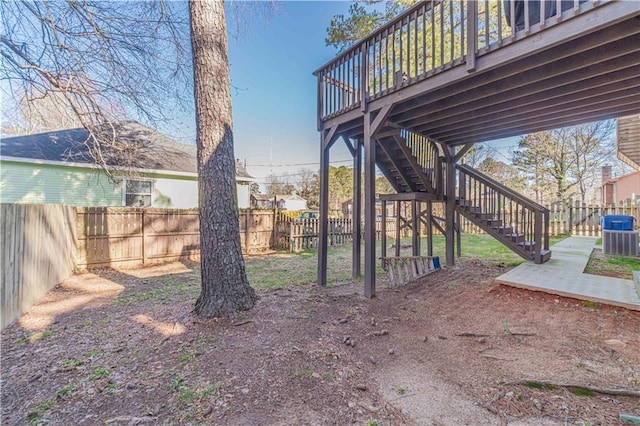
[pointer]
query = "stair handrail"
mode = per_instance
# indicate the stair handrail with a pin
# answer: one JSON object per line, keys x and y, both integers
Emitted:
{"x": 538, "y": 229}
{"x": 501, "y": 187}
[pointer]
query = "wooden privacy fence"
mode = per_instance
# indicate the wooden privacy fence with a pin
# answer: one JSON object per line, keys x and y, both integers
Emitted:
{"x": 125, "y": 237}
{"x": 302, "y": 234}
{"x": 38, "y": 251}
{"x": 575, "y": 218}
{"x": 257, "y": 230}
{"x": 565, "y": 218}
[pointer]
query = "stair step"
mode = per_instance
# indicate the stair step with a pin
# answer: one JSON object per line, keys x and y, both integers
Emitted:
{"x": 486, "y": 216}
{"x": 515, "y": 237}
{"x": 494, "y": 223}
{"x": 527, "y": 245}
{"x": 503, "y": 229}
{"x": 546, "y": 255}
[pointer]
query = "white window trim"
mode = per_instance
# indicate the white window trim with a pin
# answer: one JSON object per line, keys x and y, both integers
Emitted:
{"x": 124, "y": 190}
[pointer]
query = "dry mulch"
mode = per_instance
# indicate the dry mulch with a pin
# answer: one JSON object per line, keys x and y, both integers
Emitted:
{"x": 123, "y": 348}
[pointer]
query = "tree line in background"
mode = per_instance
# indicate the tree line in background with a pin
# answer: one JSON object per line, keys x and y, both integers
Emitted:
{"x": 545, "y": 166}
{"x": 554, "y": 165}
{"x": 306, "y": 184}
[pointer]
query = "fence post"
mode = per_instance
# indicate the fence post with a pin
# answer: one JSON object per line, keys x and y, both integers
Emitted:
{"x": 248, "y": 219}
{"x": 276, "y": 236}
{"x": 570, "y": 217}
{"x": 291, "y": 243}
{"x": 144, "y": 238}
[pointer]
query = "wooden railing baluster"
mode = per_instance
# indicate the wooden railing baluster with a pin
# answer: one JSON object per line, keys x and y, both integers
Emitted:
{"x": 450, "y": 31}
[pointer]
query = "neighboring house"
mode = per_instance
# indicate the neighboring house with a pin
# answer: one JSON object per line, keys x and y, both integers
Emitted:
{"x": 347, "y": 208}
{"x": 615, "y": 190}
{"x": 148, "y": 170}
{"x": 243, "y": 185}
{"x": 262, "y": 201}
{"x": 291, "y": 202}
{"x": 284, "y": 202}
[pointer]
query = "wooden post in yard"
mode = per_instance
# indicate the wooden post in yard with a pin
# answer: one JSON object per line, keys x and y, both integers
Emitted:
{"x": 369, "y": 208}
{"x": 450, "y": 200}
{"x": 144, "y": 238}
{"x": 356, "y": 209}
{"x": 247, "y": 229}
{"x": 429, "y": 228}
{"x": 383, "y": 233}
{"x": 415, "y": 224}
{"x": 326, "y": 140}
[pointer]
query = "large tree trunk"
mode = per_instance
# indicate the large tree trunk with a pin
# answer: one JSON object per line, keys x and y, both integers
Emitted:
{"x": 225, "y": 288}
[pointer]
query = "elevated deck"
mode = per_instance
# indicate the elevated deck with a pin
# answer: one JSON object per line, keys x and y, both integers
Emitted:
{"x": 417, "y": 93}
{"x": 458, "y": 71}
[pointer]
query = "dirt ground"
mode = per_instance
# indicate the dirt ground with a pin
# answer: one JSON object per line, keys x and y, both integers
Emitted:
{"x": 123, "y": 348}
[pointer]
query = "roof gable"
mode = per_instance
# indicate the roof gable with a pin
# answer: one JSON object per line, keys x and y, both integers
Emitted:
{"x": 136, "y": 147}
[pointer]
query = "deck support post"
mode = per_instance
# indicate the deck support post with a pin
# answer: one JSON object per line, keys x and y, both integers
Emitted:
{"x": 369, "y": 207}
{"x": 356, "y": 212}
{"x": 429, "y": 228}
{"x": 328, "y": 136}
{"x": 372, "y": 123}
{"x": 383, "y": 233}
{"x": 450, "y": 204}
{"x": 398, "y": 219}
{"x": 415, "y": 224}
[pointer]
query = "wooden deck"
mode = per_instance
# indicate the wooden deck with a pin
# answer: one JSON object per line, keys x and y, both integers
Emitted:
{"x": 583, "y": 66}
{"x": 459, "y": 72}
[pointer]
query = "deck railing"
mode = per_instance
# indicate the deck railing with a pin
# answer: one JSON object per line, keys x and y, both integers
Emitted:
{"x": 427, "y": 156}
{"x": 427, "y": 39}
{"x": 525, "y": 220}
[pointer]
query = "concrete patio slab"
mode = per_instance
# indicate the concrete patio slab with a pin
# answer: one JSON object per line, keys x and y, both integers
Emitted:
{"x": 563, "y": 275}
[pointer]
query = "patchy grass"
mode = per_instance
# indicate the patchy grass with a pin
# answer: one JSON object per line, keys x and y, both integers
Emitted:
{"x": 303, "y": 373}
{"x": 166, "y": 287}
{"x": 590, "y": 304}
{"x": 611, "y": 265}
{"x": 279, "y": 270}
{"x": 581, "y": 392}
{"x": 631, "y": 263}
{"x": 537, "y": 385}
{"x": 98, "y": 372}
{"x": 282, "y": 269}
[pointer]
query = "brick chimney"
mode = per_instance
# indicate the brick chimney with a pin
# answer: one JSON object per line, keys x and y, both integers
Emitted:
{"x": 607, "y": 174}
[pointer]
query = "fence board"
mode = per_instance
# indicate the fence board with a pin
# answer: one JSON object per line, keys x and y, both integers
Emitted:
{"x": 38, "y": 251}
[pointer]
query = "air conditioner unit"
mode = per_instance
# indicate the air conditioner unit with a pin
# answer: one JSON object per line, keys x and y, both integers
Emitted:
{"x": 620, "y": 242}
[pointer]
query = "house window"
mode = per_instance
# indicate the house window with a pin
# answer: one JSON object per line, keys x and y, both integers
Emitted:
{"x": 138, "y": 193}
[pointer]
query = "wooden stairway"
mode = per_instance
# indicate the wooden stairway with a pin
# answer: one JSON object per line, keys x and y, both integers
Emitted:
{"x": 412, "y": 163}
{"x": 517, "y": 222}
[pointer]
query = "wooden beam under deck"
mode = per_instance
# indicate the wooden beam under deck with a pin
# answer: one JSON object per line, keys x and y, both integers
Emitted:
{"x": 410, "y": 196}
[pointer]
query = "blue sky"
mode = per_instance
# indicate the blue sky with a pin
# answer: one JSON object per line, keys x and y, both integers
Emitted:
{"x": 274, "y": 94}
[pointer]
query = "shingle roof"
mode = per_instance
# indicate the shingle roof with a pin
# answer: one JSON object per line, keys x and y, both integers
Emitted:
{"x": 146, "y": 148}
{"x": 262, "y": 197}
{"x": 241, "y": 171}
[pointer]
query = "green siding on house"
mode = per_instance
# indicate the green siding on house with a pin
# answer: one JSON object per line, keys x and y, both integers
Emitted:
{"x": 33, "y": 183}
{"x": 48, "y": 184}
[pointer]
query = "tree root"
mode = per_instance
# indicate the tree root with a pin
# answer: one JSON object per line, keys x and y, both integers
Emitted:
{"x": 490, "y": 335}
{"x": 604, "y": 391}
